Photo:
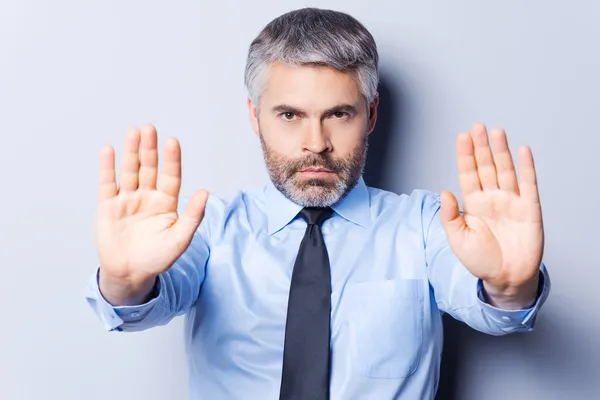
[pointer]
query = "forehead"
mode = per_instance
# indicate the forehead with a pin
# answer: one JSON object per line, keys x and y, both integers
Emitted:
{"x": 316, "y": 86}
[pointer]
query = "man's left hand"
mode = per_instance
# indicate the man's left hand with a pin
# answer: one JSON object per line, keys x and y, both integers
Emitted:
{"x": 500, "y": 236}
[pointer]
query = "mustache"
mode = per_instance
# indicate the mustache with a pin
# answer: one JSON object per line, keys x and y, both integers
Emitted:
{"x": 315, "y": 160}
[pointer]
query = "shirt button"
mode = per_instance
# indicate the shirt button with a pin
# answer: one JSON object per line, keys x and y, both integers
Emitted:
{"x": 506, "y": 319}
{"x": 135, "y": 314}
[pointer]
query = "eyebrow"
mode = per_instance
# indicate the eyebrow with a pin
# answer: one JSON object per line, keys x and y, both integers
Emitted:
{"x": 349, "y": 108}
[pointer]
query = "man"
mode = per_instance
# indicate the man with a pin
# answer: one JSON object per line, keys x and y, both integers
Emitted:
{"x": 317, "y": 286}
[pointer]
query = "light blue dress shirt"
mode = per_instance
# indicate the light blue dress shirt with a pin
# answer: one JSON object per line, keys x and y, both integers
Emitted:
{"x": 393, "y": 276}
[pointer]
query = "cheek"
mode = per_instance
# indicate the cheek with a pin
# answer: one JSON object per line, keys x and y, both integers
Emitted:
{"x": 346, "y": 137}
{"x": 282, "y": 138}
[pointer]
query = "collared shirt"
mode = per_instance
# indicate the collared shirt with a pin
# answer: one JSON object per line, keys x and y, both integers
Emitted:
{"x": 393, "y": 276}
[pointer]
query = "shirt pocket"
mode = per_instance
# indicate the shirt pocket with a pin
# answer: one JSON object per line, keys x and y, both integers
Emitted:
{"x": 386, "y": 322}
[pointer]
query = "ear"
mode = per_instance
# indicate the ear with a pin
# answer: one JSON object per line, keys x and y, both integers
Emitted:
{"x": 253, "y": 113}
{"x": 373, "y": 114}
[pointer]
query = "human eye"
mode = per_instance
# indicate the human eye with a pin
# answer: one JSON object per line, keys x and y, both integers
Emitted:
{"x": 340, "y": 115}
{"x": 288, "y": 116}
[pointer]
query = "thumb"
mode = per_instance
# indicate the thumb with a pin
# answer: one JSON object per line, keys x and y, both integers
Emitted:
{"x": 452, "y": 220}
{"x": 191, "y": 218}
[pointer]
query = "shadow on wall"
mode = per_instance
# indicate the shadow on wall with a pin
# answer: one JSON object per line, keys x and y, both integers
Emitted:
{"x": 391, "y": 122}
{"x": 379, "y": 140}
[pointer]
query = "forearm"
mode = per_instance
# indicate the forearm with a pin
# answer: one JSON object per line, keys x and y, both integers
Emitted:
{"x": 176, "y": 291}
{"x": 463, "y": 296}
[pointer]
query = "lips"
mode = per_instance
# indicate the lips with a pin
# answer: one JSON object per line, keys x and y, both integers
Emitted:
{"x": 315, "y": 169}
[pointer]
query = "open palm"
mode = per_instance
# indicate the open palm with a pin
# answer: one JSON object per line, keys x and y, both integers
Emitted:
{"x": 138, "y": 231}
{"x": 500, "y": 236}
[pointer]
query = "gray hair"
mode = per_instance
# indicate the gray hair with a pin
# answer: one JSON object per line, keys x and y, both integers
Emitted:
{"x": 312, "y": 36}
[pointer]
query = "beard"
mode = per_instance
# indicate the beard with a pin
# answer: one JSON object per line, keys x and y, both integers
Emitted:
{"x": 315, "y": 192}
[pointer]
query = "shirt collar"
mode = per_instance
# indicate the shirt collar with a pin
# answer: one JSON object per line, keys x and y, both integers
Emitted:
{"x": 354, "y": 207}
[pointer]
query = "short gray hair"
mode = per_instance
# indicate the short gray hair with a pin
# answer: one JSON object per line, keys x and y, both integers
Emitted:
{"x": 312, "y": 36}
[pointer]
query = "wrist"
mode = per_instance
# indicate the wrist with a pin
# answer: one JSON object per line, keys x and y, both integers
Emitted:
{"x": 512, "y": 297}
{"x": 125, "y": 291}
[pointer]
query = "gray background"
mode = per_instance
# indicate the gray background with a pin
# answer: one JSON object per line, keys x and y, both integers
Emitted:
{"x": 75, "y": 75}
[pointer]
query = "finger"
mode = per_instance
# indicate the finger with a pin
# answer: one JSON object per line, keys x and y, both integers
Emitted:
{"x": 170, "y": 179}
{"x": 187, "y": 224}
{"x": 507, "y": 176}
{"x": 467, "y": 167}
{"x": 528, "y": 181}
{"x": 486, "y": 167}
{"x": 148, "y": 158}
{"x": 108, "y": 181}
{"x": 128, "y": 179}
{"x": 452, "y": 220}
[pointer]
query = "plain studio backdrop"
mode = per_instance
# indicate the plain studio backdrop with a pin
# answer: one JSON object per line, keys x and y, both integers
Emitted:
{"x": 74, "y": 75}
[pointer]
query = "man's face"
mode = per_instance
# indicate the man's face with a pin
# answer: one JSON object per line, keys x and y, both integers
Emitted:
{"x": 313, "y": 125}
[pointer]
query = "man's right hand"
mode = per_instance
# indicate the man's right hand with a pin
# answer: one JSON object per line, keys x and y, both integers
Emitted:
{"x": 139, "y": 234}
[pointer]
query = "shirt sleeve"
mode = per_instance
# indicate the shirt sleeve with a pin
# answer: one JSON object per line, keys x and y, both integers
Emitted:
{"x": 176, "y": 291}
{"x": 461, "y": 294}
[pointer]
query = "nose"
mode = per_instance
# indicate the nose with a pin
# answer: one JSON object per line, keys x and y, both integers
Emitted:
{"x": 316, "y": 139}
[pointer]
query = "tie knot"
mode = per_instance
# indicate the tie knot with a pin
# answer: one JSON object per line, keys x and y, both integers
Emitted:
{"x": 315, "y": 215}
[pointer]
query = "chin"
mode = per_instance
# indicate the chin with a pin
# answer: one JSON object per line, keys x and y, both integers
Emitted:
{"x": 316, "y": 192}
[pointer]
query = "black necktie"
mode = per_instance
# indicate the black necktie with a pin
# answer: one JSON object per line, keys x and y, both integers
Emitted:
{"x": 306, "y": 349}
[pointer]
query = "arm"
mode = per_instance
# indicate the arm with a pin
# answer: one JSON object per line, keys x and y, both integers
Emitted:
{"x": 152, "y": 255}
{"x": 461, "y": 294}
{"x": 485, "y": 262}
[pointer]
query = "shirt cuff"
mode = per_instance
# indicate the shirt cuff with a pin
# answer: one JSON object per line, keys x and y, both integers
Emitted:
{"x": 113, "y": 317}
{"x": 525, "y": 317}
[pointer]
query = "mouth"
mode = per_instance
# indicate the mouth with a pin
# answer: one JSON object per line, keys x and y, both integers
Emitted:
{"x": 316, "y": 169}
{"x": 316, "y": 173}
